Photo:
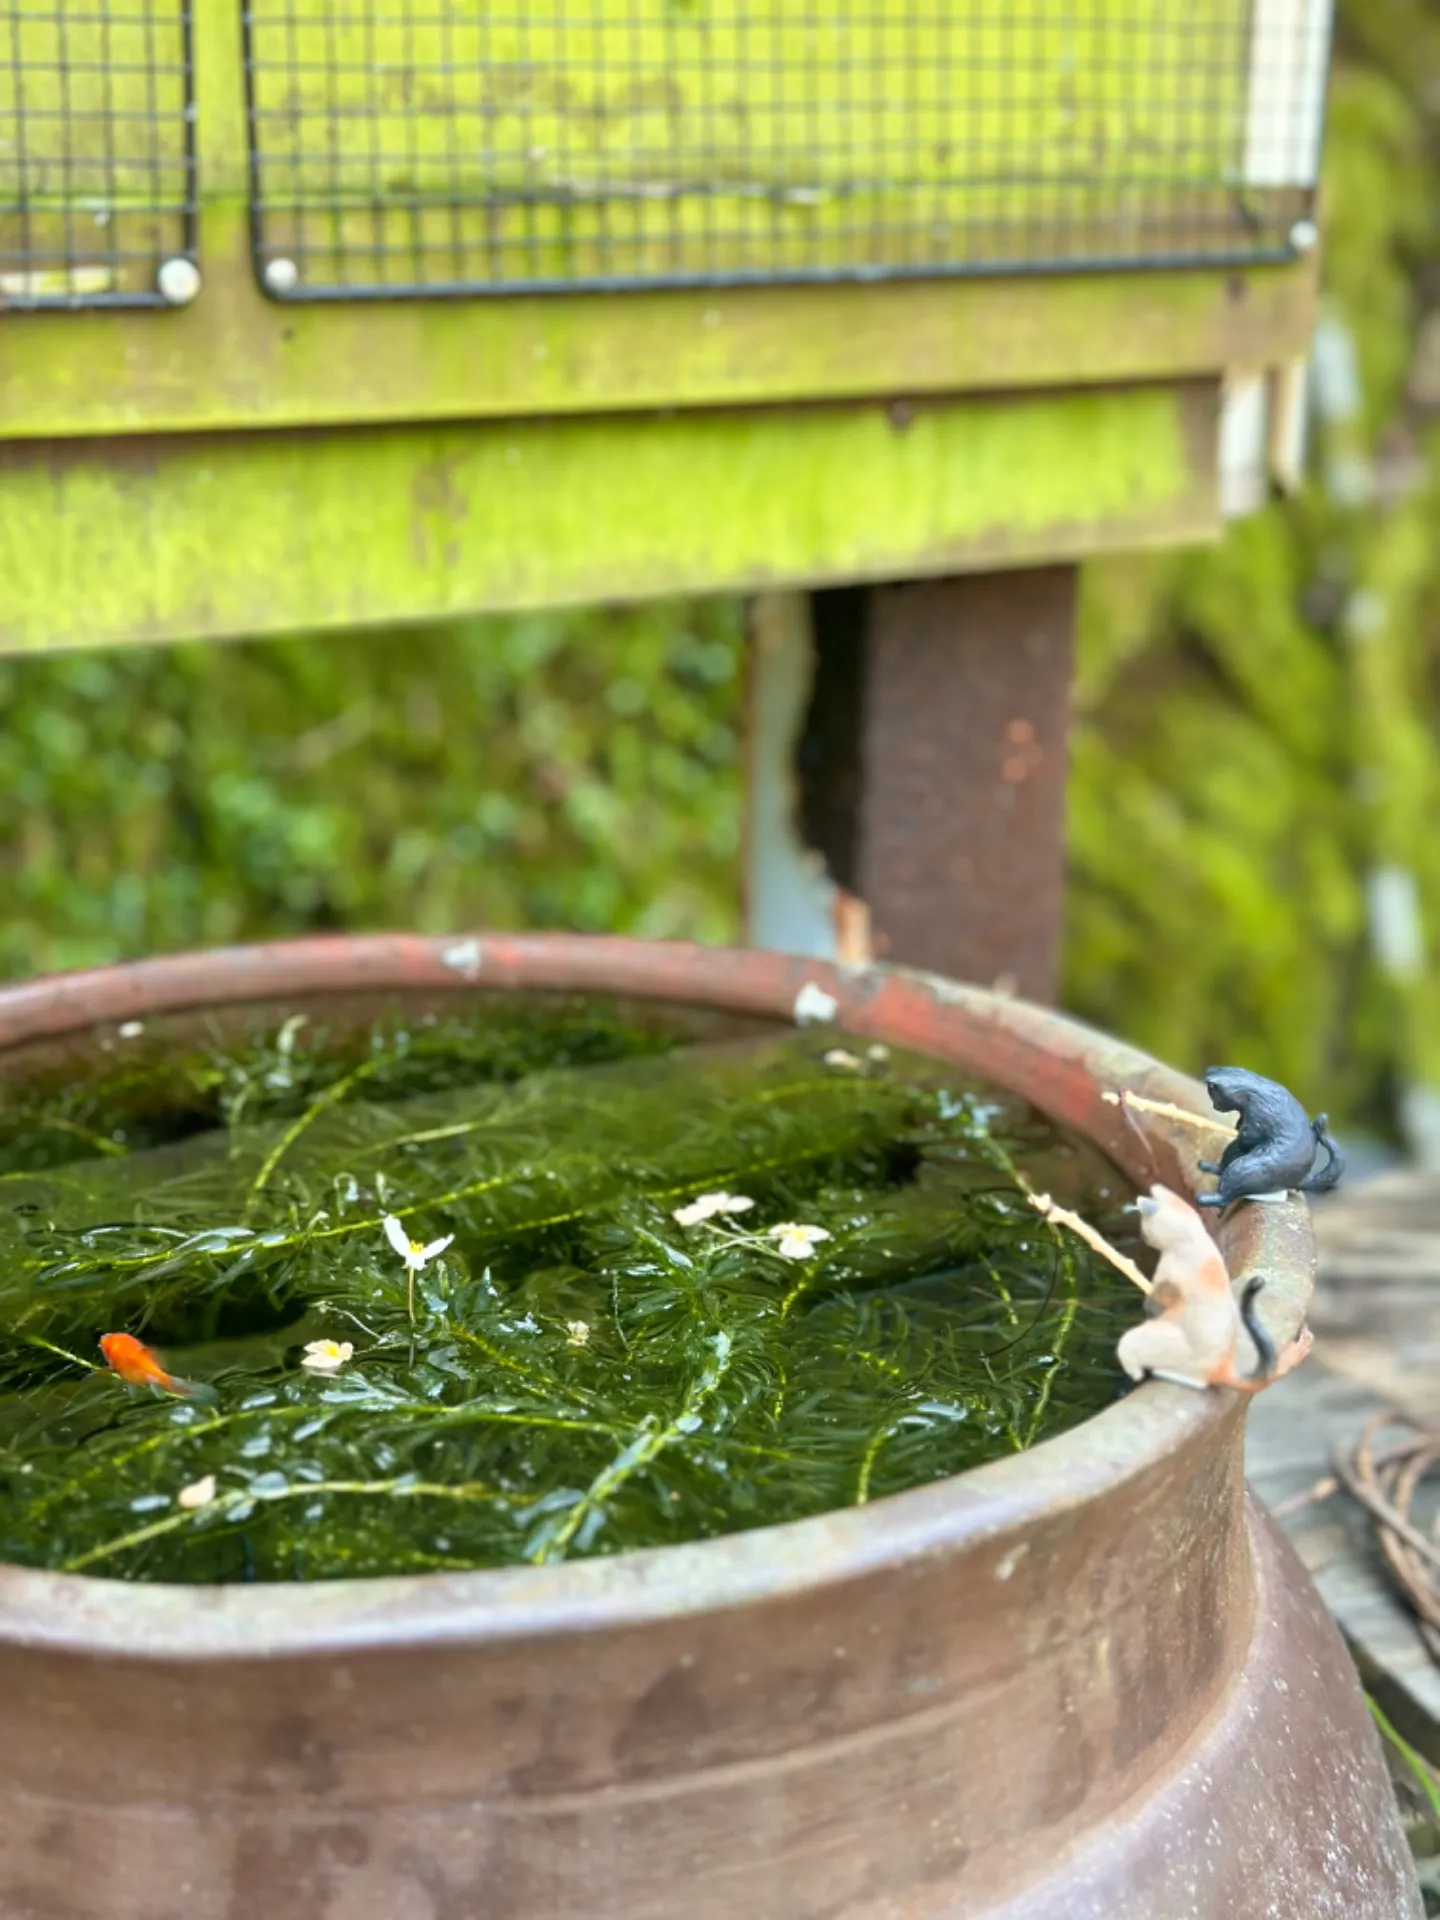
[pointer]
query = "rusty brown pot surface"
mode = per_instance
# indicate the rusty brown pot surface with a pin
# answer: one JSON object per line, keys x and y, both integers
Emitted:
{"x": 1090, "y": 1682}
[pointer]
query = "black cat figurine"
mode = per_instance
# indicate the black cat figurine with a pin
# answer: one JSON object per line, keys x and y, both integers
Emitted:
{"x": 1277, "y": 1144}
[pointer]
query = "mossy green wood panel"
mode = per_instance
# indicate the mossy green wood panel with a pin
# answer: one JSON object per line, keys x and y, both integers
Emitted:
{"x": 237, "y": 359}
{"x": 439, "y": 144}
{"x": 265, "y": 533}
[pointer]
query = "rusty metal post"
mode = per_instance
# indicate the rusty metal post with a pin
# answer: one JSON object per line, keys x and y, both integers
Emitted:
{"x": 961, "y": 818}
{"x": 931, "y": 764}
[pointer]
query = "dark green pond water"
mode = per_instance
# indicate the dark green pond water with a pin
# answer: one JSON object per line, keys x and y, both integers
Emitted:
{"x": 579, "y": 1370}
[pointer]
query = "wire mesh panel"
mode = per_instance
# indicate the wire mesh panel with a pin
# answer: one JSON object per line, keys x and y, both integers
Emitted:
{"x": 96, "y": 160}
{"x": 432, "y": 146}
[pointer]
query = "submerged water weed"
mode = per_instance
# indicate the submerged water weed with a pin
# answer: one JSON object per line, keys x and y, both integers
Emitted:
{"x": 145, "y": 1088}
{"x": 492, "y": 1316}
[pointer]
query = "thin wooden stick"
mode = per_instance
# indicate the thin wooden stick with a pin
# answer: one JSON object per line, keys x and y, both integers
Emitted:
{"x": 1167, "y": 1110}
{"x": 1385, "y": 1480}
{"x": 1322, "y": 1490}
{"x": 1357, "y": 1470}
{"x": 1062, "y": 1217}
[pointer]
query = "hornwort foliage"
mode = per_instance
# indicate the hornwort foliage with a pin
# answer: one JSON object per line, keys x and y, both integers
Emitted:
{"x": 578, "y": 1371}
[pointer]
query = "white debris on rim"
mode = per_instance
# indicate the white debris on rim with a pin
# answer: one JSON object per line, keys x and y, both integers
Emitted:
{"x": 814, "y": 1005}
{"x": 466, "y": 956}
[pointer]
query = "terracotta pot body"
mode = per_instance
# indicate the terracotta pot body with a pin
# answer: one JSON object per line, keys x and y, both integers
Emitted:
{"x": 1087, "y": 1683}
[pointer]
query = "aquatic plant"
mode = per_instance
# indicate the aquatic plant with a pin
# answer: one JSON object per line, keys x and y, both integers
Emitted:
{"x": 524, "y": 1286}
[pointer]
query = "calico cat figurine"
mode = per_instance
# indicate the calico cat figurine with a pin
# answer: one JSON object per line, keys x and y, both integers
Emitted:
{"x": 1191, "y": 1332}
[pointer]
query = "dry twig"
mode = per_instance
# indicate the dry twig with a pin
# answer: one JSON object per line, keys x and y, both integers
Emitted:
{"x": 1057, "y": 1216}
{"x": 1385, "y": 1481}
{"x": 1136, "y": 1103}
{"x": 1310, "y": 1496}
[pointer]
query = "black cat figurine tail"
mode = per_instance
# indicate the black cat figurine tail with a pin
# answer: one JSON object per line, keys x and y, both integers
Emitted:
{"x": 1276, "y": 1146}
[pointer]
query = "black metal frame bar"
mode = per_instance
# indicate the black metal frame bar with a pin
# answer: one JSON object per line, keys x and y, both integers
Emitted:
{"x": 349, "y": 221}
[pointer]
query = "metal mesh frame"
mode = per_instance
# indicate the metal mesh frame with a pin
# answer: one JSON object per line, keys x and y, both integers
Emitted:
{"x": 97, "y": 161}
{"x": 433, "y": 147}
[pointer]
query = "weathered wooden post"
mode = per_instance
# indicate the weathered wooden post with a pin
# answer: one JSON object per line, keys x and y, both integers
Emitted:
{"x": 318, "y": 316}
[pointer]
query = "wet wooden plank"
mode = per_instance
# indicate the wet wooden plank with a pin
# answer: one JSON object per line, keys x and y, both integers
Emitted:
{"x": 1377, "y": 1326}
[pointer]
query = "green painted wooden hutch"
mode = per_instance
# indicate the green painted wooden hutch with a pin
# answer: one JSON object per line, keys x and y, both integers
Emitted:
{"x": 324, "y": 313}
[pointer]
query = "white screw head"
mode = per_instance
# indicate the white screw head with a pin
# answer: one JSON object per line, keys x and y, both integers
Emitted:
{"x": 1303, "y": 235}
{"x": 281, "y": 275}
{"x": 178, "y": 280}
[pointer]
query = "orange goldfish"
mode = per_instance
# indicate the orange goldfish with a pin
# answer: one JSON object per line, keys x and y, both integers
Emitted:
{"x": 140, "y": 1366}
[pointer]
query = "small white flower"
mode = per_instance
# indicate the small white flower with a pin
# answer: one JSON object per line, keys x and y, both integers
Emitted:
{"x": 416, "y": 1254}
{"x": 877, "y": 1053}
{"x": 838, "y": 1057}
{"x": 199, "y": 1493}
{"x": 577, "y": 1332}
{"x": 812, "y": 1004}
{"x": 326, "y": 1356}
{"x": 797, "y": 1241}
{"x": 708, "y": 1205}
{"x": 131, "y": 1030}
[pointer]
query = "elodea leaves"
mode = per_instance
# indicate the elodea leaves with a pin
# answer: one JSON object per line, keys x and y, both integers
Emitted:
{"x": 863, "y": 1300}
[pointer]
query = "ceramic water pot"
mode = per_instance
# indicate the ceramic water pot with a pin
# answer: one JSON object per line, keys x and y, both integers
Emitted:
{"x": 1085, "y": 1683}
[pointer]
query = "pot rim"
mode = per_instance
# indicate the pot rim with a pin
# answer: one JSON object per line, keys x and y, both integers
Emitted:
{"x": 1063, "y": 1066}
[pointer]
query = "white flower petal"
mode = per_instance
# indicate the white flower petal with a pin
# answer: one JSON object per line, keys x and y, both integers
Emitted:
{"x": 326, "y": 1356}
{"x": 199, "y": 1493}
{"x": 435, "y": 1249}
{"x": 708, "y": 1205}
{"x": 838, "y": 1057}
{"x": 397, "y": 1236}
{"x": 797, "y": 1241}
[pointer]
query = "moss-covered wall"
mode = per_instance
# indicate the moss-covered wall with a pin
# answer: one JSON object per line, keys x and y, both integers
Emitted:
{"x": 1257, "y": 758}
{"x": 1258, "y": 765}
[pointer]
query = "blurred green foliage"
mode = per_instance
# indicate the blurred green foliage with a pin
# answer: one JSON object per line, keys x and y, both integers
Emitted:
{"x": 1257, "y": 734}
{"x": 569, "y": 770}
{"x": 1256, "y": 730}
